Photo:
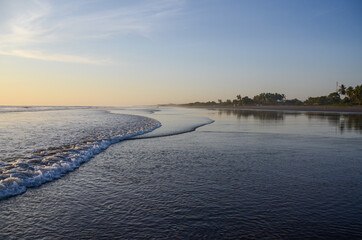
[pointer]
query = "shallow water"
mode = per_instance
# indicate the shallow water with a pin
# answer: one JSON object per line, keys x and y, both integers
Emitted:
{"x": 174, "y": 120}
{"x": 249, "y": 174}
{"x": 40, "y": 145}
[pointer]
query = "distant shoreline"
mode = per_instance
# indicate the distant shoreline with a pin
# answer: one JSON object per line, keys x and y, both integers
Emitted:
{"x": 336, "y": 109}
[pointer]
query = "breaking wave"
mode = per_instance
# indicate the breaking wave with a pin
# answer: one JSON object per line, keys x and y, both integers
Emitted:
{"x": 44, "y": 165}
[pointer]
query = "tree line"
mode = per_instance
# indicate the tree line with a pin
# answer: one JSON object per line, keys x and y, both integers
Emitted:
{"x": 344, "y": 96}
{"x": 352, "y": 96}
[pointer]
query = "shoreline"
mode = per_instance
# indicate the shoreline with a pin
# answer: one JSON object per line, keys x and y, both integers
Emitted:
{"x": 329, "y": 109}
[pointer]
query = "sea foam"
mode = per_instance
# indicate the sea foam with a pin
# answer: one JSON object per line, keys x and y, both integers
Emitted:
{"x": 18, "y": 174}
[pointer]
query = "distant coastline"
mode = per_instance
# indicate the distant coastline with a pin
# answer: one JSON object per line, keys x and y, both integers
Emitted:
{"x": 337, "y": 109}
{"x": 343, "y": 100}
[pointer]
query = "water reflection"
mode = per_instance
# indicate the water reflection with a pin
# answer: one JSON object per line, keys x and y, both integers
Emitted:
{"x": 258, "y": 115}
{"x": 350, "y": 122}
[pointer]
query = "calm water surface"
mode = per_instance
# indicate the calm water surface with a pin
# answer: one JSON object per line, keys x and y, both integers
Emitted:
{"x": 248, "y": 174}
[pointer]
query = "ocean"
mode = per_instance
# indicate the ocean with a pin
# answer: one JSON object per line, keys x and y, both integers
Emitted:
{"x": 176, "y": 173}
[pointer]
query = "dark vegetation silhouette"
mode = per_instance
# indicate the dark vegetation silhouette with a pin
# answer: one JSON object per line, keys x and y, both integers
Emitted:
{"x": 343, "y": 97}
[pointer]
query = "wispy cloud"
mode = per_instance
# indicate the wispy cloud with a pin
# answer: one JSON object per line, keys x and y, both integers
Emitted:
{"x": 34, "y": 25}
{"x": 52, "y": 57}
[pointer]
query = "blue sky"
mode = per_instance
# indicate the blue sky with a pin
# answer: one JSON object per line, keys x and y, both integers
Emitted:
{"x": 162, "y": 51}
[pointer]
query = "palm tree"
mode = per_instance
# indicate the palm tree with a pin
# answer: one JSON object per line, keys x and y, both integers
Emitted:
{"x": 349, "y": 92}
{"x": 238, "y": 97}
{"x": 358, "y": 94}
{"x": 342, "y": 90}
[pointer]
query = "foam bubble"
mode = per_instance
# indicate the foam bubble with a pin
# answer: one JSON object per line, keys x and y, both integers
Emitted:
{"x": 45, "y": 165}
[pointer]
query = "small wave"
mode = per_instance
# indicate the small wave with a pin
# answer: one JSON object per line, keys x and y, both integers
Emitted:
{"x": 16, "y": 175}
{"x": 11, "y": 109}
{"x": 174, "y": 121}
{"x": 174, "y": 132}
{"x": 134, "y": 110}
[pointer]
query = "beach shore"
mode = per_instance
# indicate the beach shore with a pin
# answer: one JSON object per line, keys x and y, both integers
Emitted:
{"x": 226, "y": 174}
{"x": 346, "y": 109}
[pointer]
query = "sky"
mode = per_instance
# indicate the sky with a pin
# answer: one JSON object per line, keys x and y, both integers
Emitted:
{"x": 144, "y": 52}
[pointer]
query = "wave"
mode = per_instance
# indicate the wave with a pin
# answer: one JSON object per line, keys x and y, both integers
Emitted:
{"x": 10, "y": 109}
{"x": 38, "y": 167}
{"x": 174, "y": 121}
{"x": 183, "y": 130}
{"x": 134, "y": 110}
{"x": 79, "y": 138}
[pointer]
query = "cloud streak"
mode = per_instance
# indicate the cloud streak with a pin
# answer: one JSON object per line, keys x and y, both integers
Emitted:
{"x": 34, "y": 27}
{"x": 52, "y": 57}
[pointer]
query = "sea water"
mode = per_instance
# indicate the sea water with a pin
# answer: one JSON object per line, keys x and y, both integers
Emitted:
{"x": 40, "y": 144}
{"x": 245, "y": 174}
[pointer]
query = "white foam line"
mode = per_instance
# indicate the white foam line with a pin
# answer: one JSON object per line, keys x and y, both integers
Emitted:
{"x": 17, "y": 183}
